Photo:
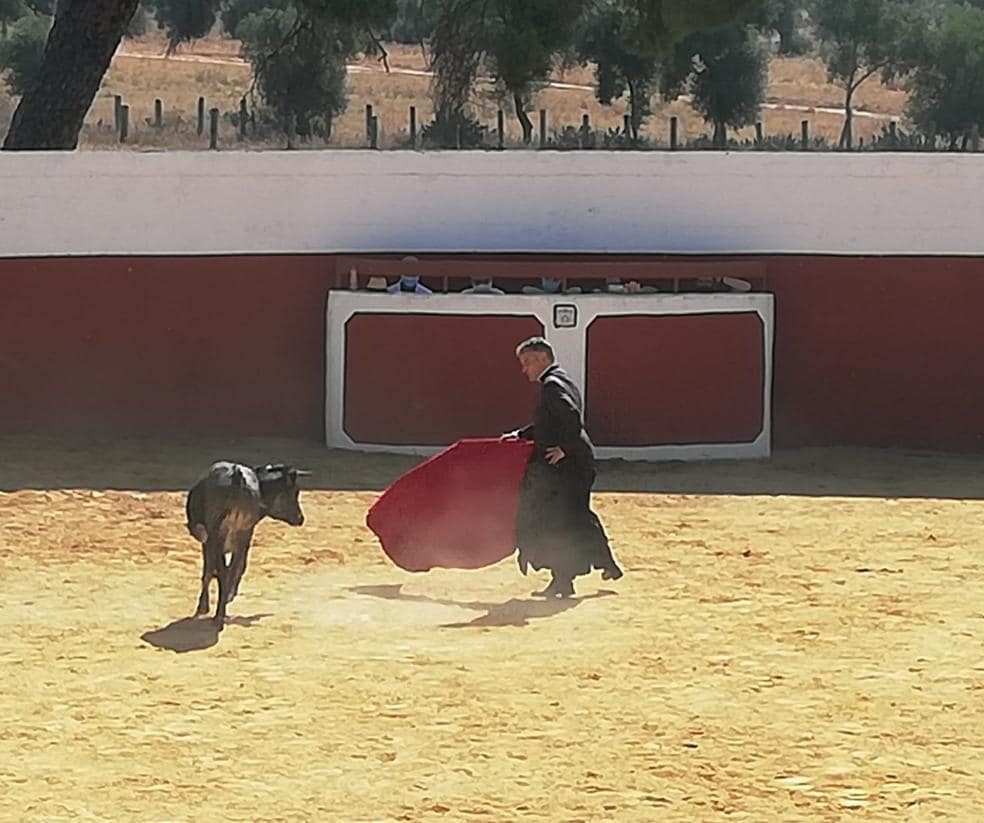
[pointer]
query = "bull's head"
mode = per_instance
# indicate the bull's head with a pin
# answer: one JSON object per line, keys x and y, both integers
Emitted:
{"x": 278, "y": 485}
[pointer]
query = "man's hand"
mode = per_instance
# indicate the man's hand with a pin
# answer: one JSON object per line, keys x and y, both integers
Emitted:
{"x": 554, "y": 455}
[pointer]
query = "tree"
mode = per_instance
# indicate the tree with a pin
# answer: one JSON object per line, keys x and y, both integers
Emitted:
{"x": 21, "y": 52}
{"x": 523, "y": 38}
{"x": 786, "y": 18}
{"x": 457, "y": 51}
{"x": 859, "y": 39}
{"x": 235, "y": 11}
{"x": 81, "y": 44}
{"x": 947, "y": 82}
{"x": 618, "y": 68}
{"x": 658, "y": 25}
{"x": 415, "y": 21}
{"x": 725, "y": 69}
{"x": 299, "y": 65}
{"x": 185, "y": 20}
{"x": 77, "y": 53}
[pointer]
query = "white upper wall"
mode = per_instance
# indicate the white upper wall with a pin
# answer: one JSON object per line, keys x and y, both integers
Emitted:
{"x": 364, "y": 201}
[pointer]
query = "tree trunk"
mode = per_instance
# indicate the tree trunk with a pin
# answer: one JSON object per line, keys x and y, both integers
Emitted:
{"x": 720, "y": 139}
{"x": 634, "y": 117}
{"x": 81, "y": 44}
{"x": 524, "y": 119}
{"x": 847, "y": 133}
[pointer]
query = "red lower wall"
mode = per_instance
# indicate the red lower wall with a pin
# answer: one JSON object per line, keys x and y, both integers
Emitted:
{"x": 883, "y": 352}
{"x": 166, "y": 346}
{"x": 868, "y": 352}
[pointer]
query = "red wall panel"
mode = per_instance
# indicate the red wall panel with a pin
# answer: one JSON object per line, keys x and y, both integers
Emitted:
{"x": 196, "y": 345}
{"x": 431, "y": 379}
{"x": 882, "y": 352}
{"x": 675, "y": 379}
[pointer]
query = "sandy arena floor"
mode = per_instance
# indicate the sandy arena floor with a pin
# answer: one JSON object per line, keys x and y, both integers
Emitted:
{"x": 798, "y": 639}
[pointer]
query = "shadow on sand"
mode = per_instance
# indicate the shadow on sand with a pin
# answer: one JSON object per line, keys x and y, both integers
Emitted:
{"x": 514, "y": 612}
{"x": 191, "y": 634}
{"x": 35, "y": 462}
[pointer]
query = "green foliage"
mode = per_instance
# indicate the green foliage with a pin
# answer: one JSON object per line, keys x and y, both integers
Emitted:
{"x": 299, "y": 64}
{"x": 619, "y": 69}
{"x": 947, "y": 85}
{"x": 233, "y": 12}
{"x": 787, "y": 18}
{"x": 10, "y": 10}
{"x": 184, "y": 20}
{"x": 414, "y": 22}
{"x": 725, "y": 70}
{"x": 456, "y": 130}
{"x": 658, "y": 25}
{"x": 861, "y": 38}
{"x": 21, "y": 52}
{"x": 139, "y": 23}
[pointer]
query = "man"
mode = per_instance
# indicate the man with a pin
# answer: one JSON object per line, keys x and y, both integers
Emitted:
{"x": 555, "y": 527}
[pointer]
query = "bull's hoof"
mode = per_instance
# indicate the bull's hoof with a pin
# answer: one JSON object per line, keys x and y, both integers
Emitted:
{"x": 219, "y": 622}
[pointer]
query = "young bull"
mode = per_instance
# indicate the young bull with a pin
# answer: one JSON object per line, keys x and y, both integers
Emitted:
{"x": 224, "y": 507}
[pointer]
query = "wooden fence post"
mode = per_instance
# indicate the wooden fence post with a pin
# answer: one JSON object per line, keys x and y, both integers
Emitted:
{"x": 759, "y": 134}
{"x": 369, "y": 122}
{"x": 674, "y": 133}
{"x": 805, "y": 135}
{"x": 124, "y": 123}
{"x": 500, "y": 125}
{"x": 158, "y": 113}
{"x": 117, "y": 110}
{"x": 413, "y": 127}
{"x": 543, "y": 128}
{"x": 213, "y": 128}
{"x": 374, "y": 132}
{"x": 243, "y": 117}
{"x": 201, "y": 115}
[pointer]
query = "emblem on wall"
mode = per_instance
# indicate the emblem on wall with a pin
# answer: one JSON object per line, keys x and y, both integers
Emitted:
{"x": 565, "y": 316}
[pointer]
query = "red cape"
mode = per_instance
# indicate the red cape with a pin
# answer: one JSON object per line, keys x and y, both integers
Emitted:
{"x": 456, "y": 510}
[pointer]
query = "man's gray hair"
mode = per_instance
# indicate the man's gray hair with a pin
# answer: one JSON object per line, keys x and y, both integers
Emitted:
{"x": 536, "y": 344}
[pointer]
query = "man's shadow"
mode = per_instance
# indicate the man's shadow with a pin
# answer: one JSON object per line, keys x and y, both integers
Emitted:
{"x": 191, "y": 634}
{"x": 514, "y": 612}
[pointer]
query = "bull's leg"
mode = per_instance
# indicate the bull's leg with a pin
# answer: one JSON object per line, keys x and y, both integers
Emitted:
{"x": 239, "y": 557}
{"x": 208, "y": 572}
{"x": 223, "y": 573}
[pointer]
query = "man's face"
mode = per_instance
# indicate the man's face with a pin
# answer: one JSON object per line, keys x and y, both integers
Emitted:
{"x": 533, "y": 363}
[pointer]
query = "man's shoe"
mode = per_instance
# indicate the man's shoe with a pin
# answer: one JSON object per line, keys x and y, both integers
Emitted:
{"x": 613, "y": 572}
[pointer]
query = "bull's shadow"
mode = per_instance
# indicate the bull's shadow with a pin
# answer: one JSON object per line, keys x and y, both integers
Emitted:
{"x": 513, "y": 612}
{"x": 190, "y": 634}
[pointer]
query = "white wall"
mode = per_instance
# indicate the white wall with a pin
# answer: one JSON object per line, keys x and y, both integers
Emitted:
{"x": 365, "y": 201}
{"x": 570, "y": 344}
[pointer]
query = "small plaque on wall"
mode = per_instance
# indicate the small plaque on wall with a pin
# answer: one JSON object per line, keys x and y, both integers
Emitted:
{"x": 565, "y": 316}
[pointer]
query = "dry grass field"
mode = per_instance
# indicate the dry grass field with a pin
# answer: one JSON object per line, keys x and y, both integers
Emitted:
{"x": 794, "y": 640}
{"x": 212, "y": 68}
